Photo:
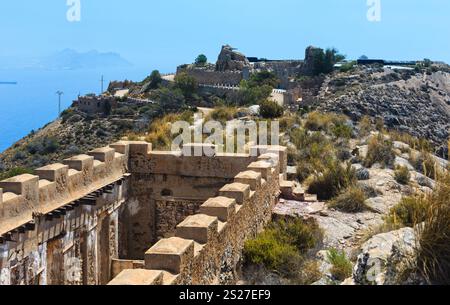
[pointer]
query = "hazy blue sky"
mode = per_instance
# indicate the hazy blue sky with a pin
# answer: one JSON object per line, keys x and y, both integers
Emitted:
{"x": 165, "y": 33}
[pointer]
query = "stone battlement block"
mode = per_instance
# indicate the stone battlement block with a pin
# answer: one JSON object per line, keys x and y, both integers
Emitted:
{"x": 121, "y": 147}
{"x": 220, "y": 207}
{"x": 55, "y": 172}
{"x": 238, "y": 191}
{"x": 199, "y": 150}
{"x": 273, "y": 158}
{"x": 198, "y": 227}
{"x": 139, "y": 147}
{"x": 104, "y": 154}
{"x": 262, "y": 167}
{"x": 171, "y": 254}
{"x": 258, "y": 150}
{"x": 138, "y": 277}
{"x": 281, "y": 151}
{"x": 26, "y": 185}
{"x": 251, "y": 178}
{"x": 82, "y": 163}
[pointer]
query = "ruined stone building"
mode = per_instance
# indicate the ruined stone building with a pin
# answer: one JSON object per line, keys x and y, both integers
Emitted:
{"x": 125, "y": 214}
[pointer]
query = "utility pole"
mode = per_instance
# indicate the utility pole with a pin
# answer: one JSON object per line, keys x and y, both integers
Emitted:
{"x": 59, "y": 101}
{"x": 102, "y": 81}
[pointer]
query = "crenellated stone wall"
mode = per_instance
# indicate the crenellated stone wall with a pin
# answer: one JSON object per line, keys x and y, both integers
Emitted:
{"x": 136, "y": 215}
{"x": 206, "y": 246}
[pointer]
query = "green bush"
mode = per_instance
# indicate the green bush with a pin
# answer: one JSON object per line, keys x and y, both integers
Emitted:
{"x": 282, "y": 246}
{"x": 342, "y": 267}
{"x": 351, "y": 200}
{"x": 15, "y": 172}
{"x": 402, "y": 175}
{"x": 380, "y": 150}
{"x": 186, "y": 83}
{"x": 332, "y": 181}
{"x": 270, "y": 110}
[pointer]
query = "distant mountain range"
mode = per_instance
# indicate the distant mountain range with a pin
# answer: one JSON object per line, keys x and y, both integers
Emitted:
{"x": 68, "y": 59}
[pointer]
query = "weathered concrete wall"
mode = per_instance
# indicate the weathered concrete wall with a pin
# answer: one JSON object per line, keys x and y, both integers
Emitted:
{"x": 61, "y": 226}
{"x": 210, "y": 77}
{"x": 206, "y": 247}
{"x": 87, "y": 220}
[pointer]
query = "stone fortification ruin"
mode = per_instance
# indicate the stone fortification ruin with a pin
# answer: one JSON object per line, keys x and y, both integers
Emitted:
{"x": 125, "y": 214}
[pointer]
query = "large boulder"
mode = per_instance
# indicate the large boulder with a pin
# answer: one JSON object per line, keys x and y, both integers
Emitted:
{"x": 385, "y": 257}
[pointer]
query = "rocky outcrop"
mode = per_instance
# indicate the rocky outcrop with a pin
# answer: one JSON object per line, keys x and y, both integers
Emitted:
{"x": 386, "y": 258}
{"x": 413, "y": 103}
{"x": 230, "y": 60}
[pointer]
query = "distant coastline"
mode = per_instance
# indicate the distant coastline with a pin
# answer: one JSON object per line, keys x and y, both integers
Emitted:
{"x": 8, "y": 83}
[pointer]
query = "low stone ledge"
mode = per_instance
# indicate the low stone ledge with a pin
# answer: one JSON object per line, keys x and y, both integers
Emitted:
{"x": 240, "y": 192}
{"x": 251, "y": 178}
{"x": 138, "y": 277}
{"x": 221, "y": 207}
{"x": 199, "y": 150}
{"x": 171, "y": 254}
{"x": 200, "y": 228}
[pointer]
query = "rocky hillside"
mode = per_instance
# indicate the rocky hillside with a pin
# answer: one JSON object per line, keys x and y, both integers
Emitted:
{"x": 74, "y": 133}
{"x": 409, "y": 101}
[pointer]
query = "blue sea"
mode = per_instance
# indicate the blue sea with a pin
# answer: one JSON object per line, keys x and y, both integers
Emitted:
{"x": 32, "y": 102}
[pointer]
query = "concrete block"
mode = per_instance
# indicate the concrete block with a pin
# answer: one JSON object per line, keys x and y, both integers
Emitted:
{"x": 121, "y": 147}
{"x": 54, "y": 172}
{"x": 139, "y": 147}
{"x": 104, "y": 154}
{"x": 199, "y": 228}
{"x": 262, "y": 167}
{"x": 171, "y": 254}
{"x": 251, "y": 178}
{"x": 82, "y": 163}
{"x": 220, "y": 207}
{"x": 240, "y": 192}
{"x": 138, "y": 277}
{"x": 26, "y": 185}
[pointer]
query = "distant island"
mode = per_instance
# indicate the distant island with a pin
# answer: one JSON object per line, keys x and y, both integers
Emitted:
{"x": 68, "y": 59}
{"x": 8, "y": 83}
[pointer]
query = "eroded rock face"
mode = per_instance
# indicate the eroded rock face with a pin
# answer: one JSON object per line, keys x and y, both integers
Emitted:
{"x": 230, "y": 60}
{"x": 385, "y": 257}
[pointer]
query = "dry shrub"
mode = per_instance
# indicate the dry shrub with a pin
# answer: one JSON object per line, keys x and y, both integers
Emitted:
{"x": 351, "y": 200}
{"x": 380, "y": 150}
{"x": 402, "y": 175}
{"x": 433, "y": 253}
{"x": 332, "y": 181}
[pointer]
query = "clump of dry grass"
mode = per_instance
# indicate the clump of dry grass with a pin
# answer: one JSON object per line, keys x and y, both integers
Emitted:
{"x": 380, "y": 150}
{"x": 351, "y": 200}
{"x": 222, "y": 114}
{"x": 402, "y": 175}
{"x": 332, "y": 181}
{"x": 433, "y": 253}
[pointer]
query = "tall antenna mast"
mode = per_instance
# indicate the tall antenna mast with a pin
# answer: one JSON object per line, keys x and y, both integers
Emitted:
{"x": 59, "y": 93}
